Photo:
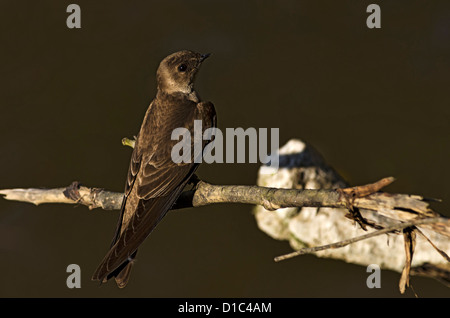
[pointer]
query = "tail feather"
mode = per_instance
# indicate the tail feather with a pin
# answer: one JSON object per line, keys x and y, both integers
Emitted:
{"x": 123, "y": 275}
{"x": 120, "y": 256}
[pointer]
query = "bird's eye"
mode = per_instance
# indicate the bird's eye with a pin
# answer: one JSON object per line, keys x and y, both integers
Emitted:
{"x": 182, "y": 68}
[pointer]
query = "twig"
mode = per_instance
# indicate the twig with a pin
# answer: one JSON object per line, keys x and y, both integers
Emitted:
{"x": 343, "y": 243}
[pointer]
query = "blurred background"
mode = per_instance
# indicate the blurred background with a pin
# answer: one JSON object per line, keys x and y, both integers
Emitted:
{"x": 375, "y": 103}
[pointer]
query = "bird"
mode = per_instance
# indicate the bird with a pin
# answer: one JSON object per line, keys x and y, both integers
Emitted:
{"x": 154, "y": 180}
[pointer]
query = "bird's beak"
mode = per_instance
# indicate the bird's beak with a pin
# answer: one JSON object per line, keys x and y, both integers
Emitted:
{"x": 204, "y": 57}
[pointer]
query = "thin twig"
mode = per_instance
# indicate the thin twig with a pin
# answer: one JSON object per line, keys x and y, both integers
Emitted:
{"x": 443, "y": 254}
{"x": 343, "y": 243}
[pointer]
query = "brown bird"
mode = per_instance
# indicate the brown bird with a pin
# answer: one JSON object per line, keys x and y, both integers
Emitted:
{"x": 154, "y": 180}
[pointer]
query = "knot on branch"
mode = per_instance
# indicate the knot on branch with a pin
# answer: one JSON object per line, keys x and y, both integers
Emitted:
{"x": 92, "y": 197}
{"x": 269, "y": 205}
{"x": 72, "y": 191}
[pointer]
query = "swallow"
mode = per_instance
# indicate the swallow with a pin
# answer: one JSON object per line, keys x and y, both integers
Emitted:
{"x": 154, "y": 181}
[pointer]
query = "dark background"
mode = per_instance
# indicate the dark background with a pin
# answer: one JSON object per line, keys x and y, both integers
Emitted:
{"x": 375, "y": 103}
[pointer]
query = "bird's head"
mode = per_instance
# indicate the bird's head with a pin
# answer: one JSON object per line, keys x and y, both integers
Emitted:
{"x": 176, "y": 72}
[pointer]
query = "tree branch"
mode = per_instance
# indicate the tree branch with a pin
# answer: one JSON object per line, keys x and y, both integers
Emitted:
{"x": 304, "y": 202}
{"x": 400, "y": 207}
{"x": 206, "y": 194}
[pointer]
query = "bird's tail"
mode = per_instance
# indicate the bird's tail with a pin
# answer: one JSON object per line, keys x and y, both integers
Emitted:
{"x": 122, "y": 273}
{"x": 123, "y": 277}
{"x": 120, "y": 257}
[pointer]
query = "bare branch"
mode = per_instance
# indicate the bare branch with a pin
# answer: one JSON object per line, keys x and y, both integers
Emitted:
{"x": 91, "y": 197}
{"x": 392, "y": 205}
{"x": 303, "y": 202}
{"x": 390, "y": 229}
{"x": 206, "y": 194}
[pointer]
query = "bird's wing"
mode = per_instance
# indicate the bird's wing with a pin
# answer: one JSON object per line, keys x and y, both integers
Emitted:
{"x": 151, "y": 154}
{"x": 135, "y": 164}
